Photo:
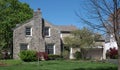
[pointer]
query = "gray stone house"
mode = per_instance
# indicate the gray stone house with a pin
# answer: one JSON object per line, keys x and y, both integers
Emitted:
{"x": 39, "y": 35}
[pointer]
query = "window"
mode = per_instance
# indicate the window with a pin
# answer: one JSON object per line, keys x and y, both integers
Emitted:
{"x": 47, "y": 31}
{"x": 23, "y": 46}
{"x": 50, "y": 49}
{"x": 28, "y": 31}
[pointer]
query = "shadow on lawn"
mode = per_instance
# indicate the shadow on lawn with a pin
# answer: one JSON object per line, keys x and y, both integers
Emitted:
{"x": 110, "y": 68}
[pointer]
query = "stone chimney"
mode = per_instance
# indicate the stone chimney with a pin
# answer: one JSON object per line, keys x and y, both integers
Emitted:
{"x": 37, "y": 14}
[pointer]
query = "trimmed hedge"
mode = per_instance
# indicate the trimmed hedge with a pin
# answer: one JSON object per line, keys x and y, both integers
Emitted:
{"x": 28, "y": 55}
{"x": 54, "y": 57}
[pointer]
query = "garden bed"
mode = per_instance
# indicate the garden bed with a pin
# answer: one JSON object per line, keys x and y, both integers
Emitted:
{"x": 3, "y": 64}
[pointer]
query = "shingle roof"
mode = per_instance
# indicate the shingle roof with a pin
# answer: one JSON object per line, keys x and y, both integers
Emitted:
{"x": 47, "y": 23}
{"x": 62, "y": 27}
{"x": 67, "y": 28}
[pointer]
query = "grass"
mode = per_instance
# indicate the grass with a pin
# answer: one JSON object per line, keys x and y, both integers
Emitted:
{"x": 11, "y": 62}
{"x": 59, "y": 65}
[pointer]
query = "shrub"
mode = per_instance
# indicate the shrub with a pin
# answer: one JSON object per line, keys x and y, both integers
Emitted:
{"x": 65, "y": 54}
{"x": 78, "y": 55}
{"x": 42, "y": 55}
{"x": 54, "y": 57}
{"x": 112, "y": 53}
{"x": 4, "y": 54}
{"x": 28, "y": 55}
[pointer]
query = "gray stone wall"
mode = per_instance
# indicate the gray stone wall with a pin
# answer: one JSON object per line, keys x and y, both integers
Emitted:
{"x": 35, "y": 42}
{"x": 54, "y": 38}
{"x": 20, "y": 37}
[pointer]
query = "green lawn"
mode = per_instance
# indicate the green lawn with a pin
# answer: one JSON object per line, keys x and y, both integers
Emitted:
{"x": 59, "y": 65}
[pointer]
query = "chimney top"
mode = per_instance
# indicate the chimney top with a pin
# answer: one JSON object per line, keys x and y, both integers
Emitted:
{"x": 38, "y": 10}
{"x": 37, "y": 13}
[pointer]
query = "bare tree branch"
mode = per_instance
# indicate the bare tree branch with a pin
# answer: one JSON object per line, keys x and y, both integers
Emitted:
{"x": 107, "y": 13}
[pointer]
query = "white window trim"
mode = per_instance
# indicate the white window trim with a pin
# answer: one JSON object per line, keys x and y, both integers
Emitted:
{"x": 28, "y": 47}
{"x": 54, "y": 49}
{"x": 61, "y": 35}
{"x": 49, "y": 32}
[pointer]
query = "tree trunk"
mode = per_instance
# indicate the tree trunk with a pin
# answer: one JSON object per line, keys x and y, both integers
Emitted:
{"x": 118, "y": 45}
{"x": 118, "y": 56}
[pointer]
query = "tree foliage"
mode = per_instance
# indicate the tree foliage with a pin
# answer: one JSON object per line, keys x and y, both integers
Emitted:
{"x": 12, "y": 12}
{"x": 81, "y": 38}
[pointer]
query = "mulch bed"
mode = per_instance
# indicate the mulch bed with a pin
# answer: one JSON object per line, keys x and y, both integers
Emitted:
{"x": 3, "y": 64}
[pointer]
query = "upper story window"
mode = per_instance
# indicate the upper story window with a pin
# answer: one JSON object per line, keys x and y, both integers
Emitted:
{"x": 28, "y": 31}
{"x": 47, "y": 31}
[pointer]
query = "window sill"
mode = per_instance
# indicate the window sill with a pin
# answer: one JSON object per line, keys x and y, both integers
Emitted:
{"x": 47, "y": 36}
{"x": 28, "y": 36}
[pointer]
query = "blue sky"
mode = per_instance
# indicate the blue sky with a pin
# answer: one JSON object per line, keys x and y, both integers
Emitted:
{"x": 59, "y": 12}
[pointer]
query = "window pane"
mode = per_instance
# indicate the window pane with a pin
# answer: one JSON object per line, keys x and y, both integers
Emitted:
{"x": 49, "y": 49}
{"x": 28, "y": 31}
{"x": 23, "y": 46}
{"x": 46, "y": 31}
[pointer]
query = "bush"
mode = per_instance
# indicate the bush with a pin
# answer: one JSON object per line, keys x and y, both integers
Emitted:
{"x": 78, "y": 55}
{"x": 4, "y": 54}
{"x": 28, "y": 55}
{"x": 54, "y": 57}
{"x": 112, "y": 53}
{"x": 42, "y": 55}
{"x": 65, "y": 54}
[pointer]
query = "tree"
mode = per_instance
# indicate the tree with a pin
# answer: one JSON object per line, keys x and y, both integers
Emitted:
{"x": 81, "y": 39}
{"x": 107, "y": 15}
{"x": 71, "y": 42}
{"x": 12, "y": 12}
